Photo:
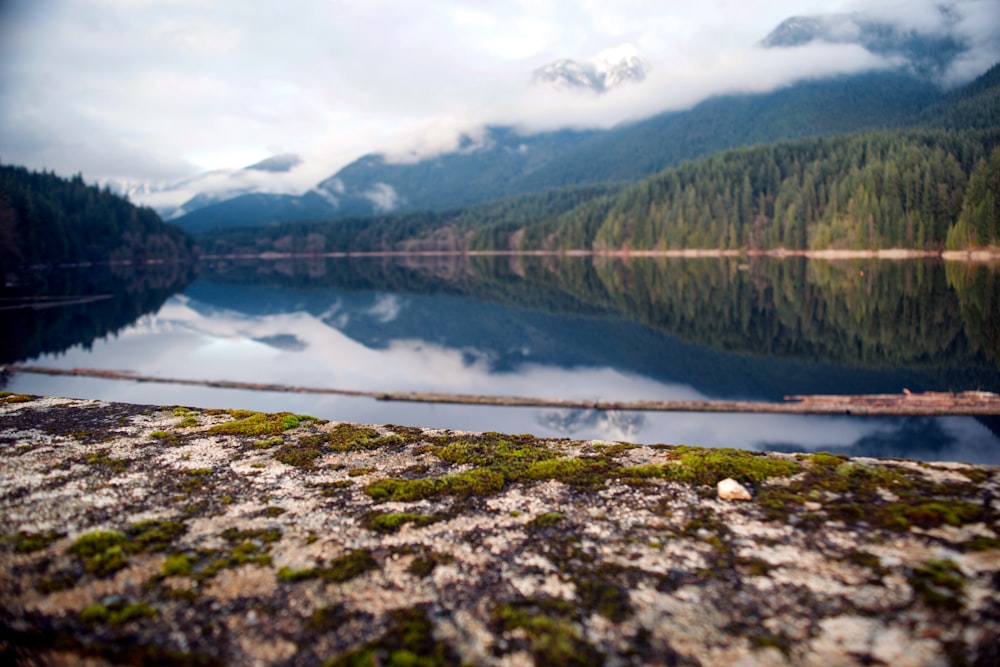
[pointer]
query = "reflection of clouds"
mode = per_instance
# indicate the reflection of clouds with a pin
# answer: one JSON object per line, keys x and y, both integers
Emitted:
{"x": 610, "y": 424}
{"x": 386, "y": 308}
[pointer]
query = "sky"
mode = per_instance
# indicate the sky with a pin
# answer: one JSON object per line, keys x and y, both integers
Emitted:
{"x": 163, "y": 90}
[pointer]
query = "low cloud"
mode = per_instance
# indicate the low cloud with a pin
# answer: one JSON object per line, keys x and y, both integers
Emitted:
{"x": 161, "y": 89}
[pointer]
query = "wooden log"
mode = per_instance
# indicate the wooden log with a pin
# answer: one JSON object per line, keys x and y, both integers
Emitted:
{"x": 968, "y": 403}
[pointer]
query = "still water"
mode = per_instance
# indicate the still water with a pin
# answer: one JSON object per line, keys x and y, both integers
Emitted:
{"x": 552, "y": 327}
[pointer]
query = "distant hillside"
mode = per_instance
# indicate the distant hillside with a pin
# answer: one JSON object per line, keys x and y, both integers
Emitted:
{"x": 45, "y": 219}
{"x": 505, "y": 163}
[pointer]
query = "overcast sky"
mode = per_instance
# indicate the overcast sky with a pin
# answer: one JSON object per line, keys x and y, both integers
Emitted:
{"x": 164, "y": 89}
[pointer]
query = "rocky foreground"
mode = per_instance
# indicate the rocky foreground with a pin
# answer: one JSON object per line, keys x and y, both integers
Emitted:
{"x": 150, "y": 535}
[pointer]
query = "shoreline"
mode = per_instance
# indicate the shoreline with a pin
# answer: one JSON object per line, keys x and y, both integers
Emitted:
{"x": 971, "y": 256}
{"x": 140, "y": 532}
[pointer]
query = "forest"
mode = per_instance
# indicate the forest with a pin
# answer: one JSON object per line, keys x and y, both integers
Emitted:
{"x": 926, "y": 189}
{"x": 48, "y": 220}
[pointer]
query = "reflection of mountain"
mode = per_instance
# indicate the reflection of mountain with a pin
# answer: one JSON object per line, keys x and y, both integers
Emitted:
{"x": 131, "y": 293}
{"x": 773, "y": 329}
{"x": 612, "y": 425}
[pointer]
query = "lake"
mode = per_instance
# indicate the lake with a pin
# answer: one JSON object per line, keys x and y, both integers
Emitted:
{"x": 539, "y": 326}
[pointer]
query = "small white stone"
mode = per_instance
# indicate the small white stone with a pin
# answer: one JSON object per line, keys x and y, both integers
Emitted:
{"x": 730, "y": 489}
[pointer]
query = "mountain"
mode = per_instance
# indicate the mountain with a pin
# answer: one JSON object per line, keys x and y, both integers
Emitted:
{"x": 173, "y": 199}
{"x": 608, "y": 70}
{"x": 502, "y": 162}
{"x": 928, "y": 54}
{"x": 505, "y": 163}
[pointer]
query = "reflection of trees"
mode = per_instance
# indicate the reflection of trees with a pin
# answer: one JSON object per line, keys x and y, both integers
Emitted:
{"x": 866, "y": 313}
{"x": 910, "y": 437}
{"x": 133, "y": 291}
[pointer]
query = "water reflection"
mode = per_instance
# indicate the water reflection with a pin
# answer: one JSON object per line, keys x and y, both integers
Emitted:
{"x": 572, "y": 328}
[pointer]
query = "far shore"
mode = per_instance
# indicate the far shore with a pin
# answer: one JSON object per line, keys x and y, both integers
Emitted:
{"x": 981, "y": 255}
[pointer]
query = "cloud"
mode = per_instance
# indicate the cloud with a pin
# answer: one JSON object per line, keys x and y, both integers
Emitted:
{"x": 158, "y": 89}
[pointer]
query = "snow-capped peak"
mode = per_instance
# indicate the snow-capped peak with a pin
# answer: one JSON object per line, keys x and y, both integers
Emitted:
{"x": 607, "y": 70}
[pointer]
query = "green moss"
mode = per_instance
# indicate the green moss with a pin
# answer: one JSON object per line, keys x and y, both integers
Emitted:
{"x": 479, "y": 481}
{"x": 101, "y": 551}
{"x": 424, "y": 564}
{"x": 153, "y": 535}
{"x": 390, "y": 522}
{"x": 178, "y": 565}
{"x": 274, "y": 511}
{"x": 26, "y": 543}
{"x": 301, "y": 454}
{"x": 344, "y": 568}
{"x": 939, "y": 583}
{"x": 116, "y": 614}
{"x": 181, "y": 411}
{"x": 188, "y": 422}
{"x": 408, "y": 642}
{"x": 258, "y": 423}
{"x": 197, "y": 472}
{"x": 980, "y": 543}
{"x": 274, "y": 441}
{"x": 546, "y": 519}
{"x": 100, "y": 458}
{"x": 8, "y": 397}
{"x": 695, "y": 465}
{"x": 579, "y": 472}
{"x": 161, "y": 435}
{"x": 553, "y": 637}
{"x": 360, "y": 472}
{"x": 604, "y": 596}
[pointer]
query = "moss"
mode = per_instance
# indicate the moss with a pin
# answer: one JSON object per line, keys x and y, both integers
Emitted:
{"x": 703, "y": 466}
{"x": 424, "y": 564}
{"x": 188, "y": 422}
{"x": 407, "y": 642}
{"x": 250, "y": 546}
{"x": 26, "y": 543}
{"x": 101, "y": 551}
{"x": 980, "y": 543}
{"x": 274, "y": 511}
{"x": 258, "y": 423}
{"x": 100, "y": 457}
{"x": 116, "y": 614}
{"x": 166, "y": 437}
{"x": 273, "y": 441}
{"x": 604, "y": 596}
{"x": 153, "y": 535}
{"x": 8, "y": 397}
{"x": 479, "y": 482}
{"x": 546, "y": 519}
{"x": 579, "y": 472}
{"x": 197, "y": 472}
{"x": 390, "y": 522}
{"x": 360, "y": 472}
{"x": 300, "y": 454}
{"x": 550, "y": 627}
{"x": 60, "y": 582}
{"x": 939, "y": 583}
{"x": 178, "y": 565}
{"x": 346, "y": 567}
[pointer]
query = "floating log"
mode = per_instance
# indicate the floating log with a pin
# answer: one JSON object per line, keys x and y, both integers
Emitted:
{"x": 967, "y": 403}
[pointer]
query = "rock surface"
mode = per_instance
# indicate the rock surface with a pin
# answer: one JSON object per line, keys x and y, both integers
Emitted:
{"x": 144, "y": 534}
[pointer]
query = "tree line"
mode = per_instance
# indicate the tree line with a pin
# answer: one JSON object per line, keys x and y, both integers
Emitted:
{"x": 49, "y": 220}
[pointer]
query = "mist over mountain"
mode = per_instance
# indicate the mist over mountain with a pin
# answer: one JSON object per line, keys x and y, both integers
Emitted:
{"x": 928, "y": 53}
{"x": 920, "y": 56}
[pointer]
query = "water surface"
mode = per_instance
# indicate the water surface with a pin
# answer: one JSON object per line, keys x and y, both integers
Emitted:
{"x": 553, "y": 327}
